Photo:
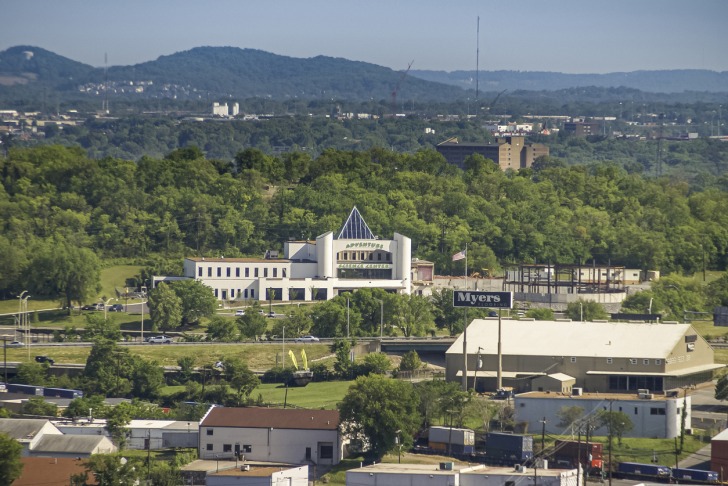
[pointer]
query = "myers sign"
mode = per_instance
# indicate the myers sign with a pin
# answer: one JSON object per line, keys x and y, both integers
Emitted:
{"x": 467, "y": 298}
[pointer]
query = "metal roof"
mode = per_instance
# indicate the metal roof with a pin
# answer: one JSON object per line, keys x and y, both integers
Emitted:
{"x": 586, "y": 339}
{"x": 23, "y": 429}
{"x": 252, "y": 417}
{"x": 355, "y": 228}
{"x": 75, "y": 444}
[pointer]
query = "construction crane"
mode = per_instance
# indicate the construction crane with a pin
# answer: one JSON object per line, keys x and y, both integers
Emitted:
{"x": 495, "y": 100}
{"x": 396, "y": 87}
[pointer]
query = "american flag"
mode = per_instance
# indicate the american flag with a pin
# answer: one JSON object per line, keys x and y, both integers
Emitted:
{"x": 458, "y": 256}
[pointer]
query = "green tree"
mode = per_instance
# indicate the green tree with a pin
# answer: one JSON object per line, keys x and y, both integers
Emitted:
{"x": 343, "y": 365}
{"x": 377, "y": 363}
{"x": 146, "y": 378}
{"x": 186, "y": 369}
{"x": 297, "y": 323}
{"x": 410, "y": 361}
{"x": 375, "y": 407}
{"x": 617, "y": 423}
{"x": 222, "y": 329}
{"x": 107, "y": 369}
{"x": 197, "y": 299}
{"x": 240, "y": 378}
{"x": 32, "y": 374}
{"x": 117, "y": 418}
{"x": 252, "y": 325}
{"x": 721, "y": 388}
{"x": 588, "y": 309}
{"x": 165, "y": 308}
{"x": 115, "y": 469}
{"x": 38, "y": 406}
{"x": 569, "y": 416}
{"x": 98, "y": 327}
{"x": 541, "y": 314}
{"x": 87, "y": 406}
{"x": 415, "y": 315}
{"x": 446, "y": 315}
{"x": 64, "y": 269}
{"x": 11, "y": 466}
{"x": 329, "y": 319}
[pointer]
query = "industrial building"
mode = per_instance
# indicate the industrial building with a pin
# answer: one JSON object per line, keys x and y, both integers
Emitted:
{"x": 509, "y": 152}
{"x": 600, "y": 357}
{"x": 334, "y": 263}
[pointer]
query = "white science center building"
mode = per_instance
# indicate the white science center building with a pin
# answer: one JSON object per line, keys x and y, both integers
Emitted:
{"x": 312, "y": 270}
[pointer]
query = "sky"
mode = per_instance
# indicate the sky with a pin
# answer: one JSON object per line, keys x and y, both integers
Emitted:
{"x": 570, "y": 36}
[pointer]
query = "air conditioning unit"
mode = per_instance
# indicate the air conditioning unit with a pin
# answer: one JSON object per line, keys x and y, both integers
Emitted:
{"x": 446, "y": 466}
{"x": 520, "y": 468}
{"x": 646, "y": 396}
{"x": 245, "y": 467}
{"x": 577, "y": 391}
{"x": 641, "y": 391}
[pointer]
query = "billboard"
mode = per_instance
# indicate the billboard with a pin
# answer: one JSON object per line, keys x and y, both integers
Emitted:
{"x": 469, "y": 298}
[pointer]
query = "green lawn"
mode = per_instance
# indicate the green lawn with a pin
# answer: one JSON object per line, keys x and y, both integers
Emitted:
{"x": 314, "y": 395}
{"x": 257, "y": 356}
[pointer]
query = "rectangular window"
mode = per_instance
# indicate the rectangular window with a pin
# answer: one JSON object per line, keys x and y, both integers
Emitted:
{"x": 252, "y": 293}
{"x": 245, "y": 294}
{"x": 219, "y": 272}
{"x": 658, "y": 361}
{"x": 635, "y": 410}
{"x": 237, "y": 271}
{"x": 284, "y": 273}
{"x": 247, "y": 272}
{"x": 255, "y": 272}
{"x": 632, "y": 361}
{"x": 227, "y": 447}
{"x": 573, "y": 359}
{"x": 199, "y": 272}
{"x": 209, "y": 271}
{"x": 265, "y": 273}
{"x": 275, "y": 272}
{"x": 216, "y": 293}
{"x": 210, "y": 431}
{"x": 379, "y": 257}
{"x": 247, "y": 448}
{"x": 227, "y": 272}
{"x": 327, "y": 452}
{"x": 346, "y": 255}
{"x": 645, "y": 362}
{"x": 657, "y": 411}
{"x": 209, "y": 447}
{"x": 609, "y": 360}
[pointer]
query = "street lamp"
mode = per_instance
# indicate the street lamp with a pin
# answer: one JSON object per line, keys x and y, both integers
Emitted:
{"x": 106, "y": 305}
{"x": 478, "y": 365}
{"x": 398, "y": 441}
{"x": 347, "y": 318}
{"x": 381, "y": 318}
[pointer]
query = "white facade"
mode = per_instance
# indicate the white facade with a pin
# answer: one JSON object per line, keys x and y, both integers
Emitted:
{"x": 312, "y": 270}
{"x": 655, "y": 417}
{"x": 219, "y": 109}
{"x": 259, "y": 476}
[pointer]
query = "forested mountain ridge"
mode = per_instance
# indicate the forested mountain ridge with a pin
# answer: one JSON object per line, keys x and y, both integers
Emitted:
{"x": 55, "y": 200}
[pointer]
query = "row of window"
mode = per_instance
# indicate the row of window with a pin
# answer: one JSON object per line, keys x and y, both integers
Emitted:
{"x": 633, "y": 361}
{"x": 229, "y": 448}
{"x": 246, "y": 272}
{"x": 360, "y": 256}
{"x": 244, "y": 293}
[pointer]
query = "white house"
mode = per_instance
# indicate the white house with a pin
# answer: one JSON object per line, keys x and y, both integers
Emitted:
{"x": 289, "y": 436}
{"x": 652, "y": 415}
{"x": 40, "y": 438}
{"x": 352, "y": 259}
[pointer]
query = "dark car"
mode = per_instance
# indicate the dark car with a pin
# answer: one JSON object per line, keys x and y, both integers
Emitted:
{"x": 89, "y": 307}
{"x": 44, "y": 359}
{"x": 116, "y": 308}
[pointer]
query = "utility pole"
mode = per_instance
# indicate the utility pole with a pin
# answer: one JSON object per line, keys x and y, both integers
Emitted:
{"x": 543, "y": 434}
{"x": 610, "y": 442}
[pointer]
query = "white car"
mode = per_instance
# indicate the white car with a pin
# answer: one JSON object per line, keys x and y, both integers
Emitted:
{"x": 159, "y": 340}
{"x": 307, "y": 339}
{"x": 240, "y": 312}
{"x": 16, "y": 344}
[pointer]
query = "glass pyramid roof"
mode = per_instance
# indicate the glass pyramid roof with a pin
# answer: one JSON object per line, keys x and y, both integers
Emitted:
{"x": 355, "y": 228}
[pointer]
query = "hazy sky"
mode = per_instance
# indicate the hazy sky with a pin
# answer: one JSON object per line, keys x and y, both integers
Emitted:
{"x": 584, "y": 36}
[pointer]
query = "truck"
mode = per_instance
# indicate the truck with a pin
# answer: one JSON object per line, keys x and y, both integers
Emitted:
{"x": 508, "y": 449}
{"x": 634, "y": 470}
{"x": 458, "y": 441}
{"x": 695, "y": 475}
{"x": 25, "y": 389}
{"x": 504, "y": 393}
{"x": 62, "y": 393}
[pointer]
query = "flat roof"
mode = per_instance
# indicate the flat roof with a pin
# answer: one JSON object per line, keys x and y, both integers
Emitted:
{"x": 591, "y": 396}
{"x": 236, "y": 260}
{"x": 259, "y": 472}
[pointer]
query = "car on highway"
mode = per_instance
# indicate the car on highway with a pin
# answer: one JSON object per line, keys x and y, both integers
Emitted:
{"x": 44, "y": 359}
{"x": 307, "y": 339}
{"x": 240, "y": 312}
{"x": 16, "y": 344}
{"x": 159, "y": 340}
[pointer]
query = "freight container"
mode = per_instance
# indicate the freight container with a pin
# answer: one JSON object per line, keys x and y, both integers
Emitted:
{"x": 643, "y": 471}
{"x": 695, "y": 475}
{"x": 457, "y": 441}
{"x": 508, "y": 449}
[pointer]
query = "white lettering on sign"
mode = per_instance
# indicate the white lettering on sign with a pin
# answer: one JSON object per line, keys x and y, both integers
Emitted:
{"x": 478, "y": 298}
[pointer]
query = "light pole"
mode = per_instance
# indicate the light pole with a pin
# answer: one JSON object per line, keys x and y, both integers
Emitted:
{"x": 347, "y": 318}
{"x": 381, "y": 319}
{"x": 284, "y": 346}
{"x": 478, "y": 365}
{"x": 26, "y": 322}
{"x": 106, "y": 305}
{"x": 581, "y": 312}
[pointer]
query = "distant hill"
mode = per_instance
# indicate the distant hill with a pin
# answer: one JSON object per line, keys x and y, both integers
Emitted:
{"x": 667, "y": 81}
{"x": 222, "y": 72}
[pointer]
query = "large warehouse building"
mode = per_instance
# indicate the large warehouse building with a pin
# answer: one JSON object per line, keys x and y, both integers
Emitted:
{"x": 595, "y": 356}
{"x": 353, "y": 258}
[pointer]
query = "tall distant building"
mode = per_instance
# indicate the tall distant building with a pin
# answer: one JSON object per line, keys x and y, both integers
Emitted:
{"x": 508, "y": 152}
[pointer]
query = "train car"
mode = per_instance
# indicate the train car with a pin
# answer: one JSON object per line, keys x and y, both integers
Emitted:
{"x": 568, "y": 454}
{"x": 699, "y": 476}
{"x": 508, "y": 449}
{"x": 62, "y": 393}
{"x": 25, "y": 389}
{"x": 643, "y": 472}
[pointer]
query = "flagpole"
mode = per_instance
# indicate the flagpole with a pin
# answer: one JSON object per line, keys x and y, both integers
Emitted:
{"x": 465, "y": 329}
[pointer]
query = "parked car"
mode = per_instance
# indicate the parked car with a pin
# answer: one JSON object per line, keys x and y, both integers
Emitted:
{"x": 44, "y": 359}
{"x": 159, "y": 340}
{"x": 16, "y": 344}
{"x": 90, "y": 307}
{"x": 492, "y": 313}
{"x": 307, "y": 339}
{"x": 116, "y": 308}
{"x": 240, "y": 312}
